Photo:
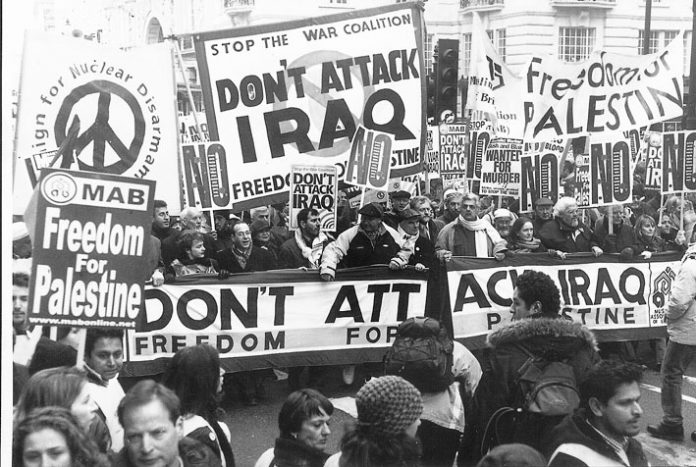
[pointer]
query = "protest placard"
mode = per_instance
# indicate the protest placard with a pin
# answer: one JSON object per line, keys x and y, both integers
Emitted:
{"x": 432, "y": 152}
{"x": 539, "y": 165}
{"x": 205, "y": 175}
{"x": 500, "y": 170}
{"x": 296, "y": 92}
{"x": 314, "y": 187}
{"x": 605, "y": 93}
{"x": 286, "y": 318}
{"x": 124, "y": 102}
{"x": 91, "y": 249}
{"x": 190, "y": 132}
{"x": 369, "y": 164}
{"x": 453, "y": 146}
{"x": 611, "y": 172}
{"x": 678, "y": 163}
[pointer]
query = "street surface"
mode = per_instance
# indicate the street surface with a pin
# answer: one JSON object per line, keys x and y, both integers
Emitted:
{"x": 254, "y": 429}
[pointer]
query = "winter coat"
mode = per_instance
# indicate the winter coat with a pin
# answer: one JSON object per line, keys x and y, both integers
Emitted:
{"x": 555, "y": 339}
{"x": 575, "y": 443}
{"x": 681, "y": 306}
{"x": 292, "y": 453}
{"x": 193, "y": 453}
{"x": 620, "y": 240}
{"x": 259, "y": 260}
{"x": 557, "y": 235}
{"x": 290, "y": 255}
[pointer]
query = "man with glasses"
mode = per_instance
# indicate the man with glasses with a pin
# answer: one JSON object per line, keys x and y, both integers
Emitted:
{"x": 427, "y": 226}
{"x": 566, "y": 233}
{"x": 468, "y": 235}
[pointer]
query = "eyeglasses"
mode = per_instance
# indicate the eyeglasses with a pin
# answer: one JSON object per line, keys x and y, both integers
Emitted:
{"x": 425, "y": 209}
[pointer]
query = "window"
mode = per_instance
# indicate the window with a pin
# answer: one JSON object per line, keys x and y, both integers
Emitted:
{"x": 428, "y": 46}
{"x": 658, "y": 39}
{"x": 497, "y": 37}
{"x": 575, "y": 44}
{"x": 465, "y": 50}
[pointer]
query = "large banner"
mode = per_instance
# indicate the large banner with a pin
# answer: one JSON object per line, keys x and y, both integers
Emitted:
{"x": 494, "y": 92}
{"x": 605, "y": 293}
{"x": 605, "y": 93}
{"x": 91, "y": 246}
{"x": 277, "y": 318}
{"x": 295, "y": 93}
{"x": 125, "y": 105}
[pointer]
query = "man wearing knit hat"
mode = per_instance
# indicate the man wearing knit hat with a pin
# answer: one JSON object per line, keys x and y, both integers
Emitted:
{"x": 388, "y": 407}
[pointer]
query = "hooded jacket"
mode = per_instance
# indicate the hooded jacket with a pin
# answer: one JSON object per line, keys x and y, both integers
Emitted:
{"x": 574, "y": 443}
{"x": 555, "y": 339}
{"x": 681, "y": 306}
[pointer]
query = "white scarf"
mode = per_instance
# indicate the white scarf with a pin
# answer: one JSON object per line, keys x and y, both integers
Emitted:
{"x": 483, "y": 230}
{"x": 313, "y": 253}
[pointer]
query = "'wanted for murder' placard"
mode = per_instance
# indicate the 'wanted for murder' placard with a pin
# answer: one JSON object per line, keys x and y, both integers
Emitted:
{"x": 90, "y": 248}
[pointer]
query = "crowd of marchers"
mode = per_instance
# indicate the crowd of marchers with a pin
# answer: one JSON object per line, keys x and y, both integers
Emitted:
{"x": 493, "y": 408}
{"x": 540, "y": 394}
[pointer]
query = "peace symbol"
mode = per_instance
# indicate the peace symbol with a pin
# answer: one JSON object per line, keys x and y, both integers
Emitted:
{"x": 100, "y": 132}
{"x": 313, "y": 91}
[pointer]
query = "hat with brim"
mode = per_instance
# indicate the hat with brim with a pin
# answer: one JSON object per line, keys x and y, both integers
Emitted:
{"x": 544, "y": 202}
{"x": 259, "y": 226}
{"x": 408, "y": 213}
{"x": 371, "y": 210}
{"x": 399, "y": 194}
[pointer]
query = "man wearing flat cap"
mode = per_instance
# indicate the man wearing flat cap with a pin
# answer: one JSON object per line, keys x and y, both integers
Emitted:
{"x": 543, "y": 212}
{"x": 399, "y": 202}
{"x": 370, "y": 242}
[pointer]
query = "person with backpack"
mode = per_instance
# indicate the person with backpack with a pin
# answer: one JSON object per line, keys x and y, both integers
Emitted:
{"x": 446, "y": 373}
{"x": 531, "y": 371}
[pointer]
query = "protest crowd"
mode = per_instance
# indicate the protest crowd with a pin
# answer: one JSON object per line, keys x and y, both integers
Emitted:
{"x": 486, "y": 303}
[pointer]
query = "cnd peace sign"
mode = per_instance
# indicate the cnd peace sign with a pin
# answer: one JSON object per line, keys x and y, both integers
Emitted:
{"x": 101, "y": 132}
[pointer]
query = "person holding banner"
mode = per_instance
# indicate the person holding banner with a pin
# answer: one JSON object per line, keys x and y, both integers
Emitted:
{"x": 192, "y": 259}
{"x": 681, "y": 348}
{"x": 452, "y": 202}
{"x": 566, "y": 232}
{"x": 244, "y": 256}
{"x": 370, "y": 242}
{"x": 428, "y": 227}
{"x": 468, "y": 235}
{"x": 543, "y": 212}
{"x": 423, "y": 256}
{"x": 621, "y": 239}
{"x": 160, "y": 220}
{"x": 305, "y": 247}
{"x": 191, "y": 219}
{"x": 522, "y": 238}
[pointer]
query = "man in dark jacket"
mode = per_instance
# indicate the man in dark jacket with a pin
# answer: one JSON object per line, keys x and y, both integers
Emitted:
{"x": 370, "y": 242}
{"x": 537, "y": 329}
{"x": 243, "y": 256}
{"x": 543, "y": 212}
{"x": 160, "y": 220}
{"x": 399, "y": 202}
{"x": 621, "y": 239}
{"x": 151, "y": 418}
{"x": 566, "y": 233}
{"x": 305, "y": 247}
{"x": 601, "y": 432}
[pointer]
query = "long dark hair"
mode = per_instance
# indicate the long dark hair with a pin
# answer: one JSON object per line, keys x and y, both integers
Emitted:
{"x": 193, "y": 374}
{"x": 83, "y": 451}
{"x": 51, "y": 387}
{"x": 514, "y": 236}
{"x": 362, "y": 449}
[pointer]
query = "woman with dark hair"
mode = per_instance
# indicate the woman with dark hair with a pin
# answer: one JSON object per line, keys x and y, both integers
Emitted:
{"x": 195, "y": 376}
{"x": 389, "y": 410}
{"x": 192, "y": 258}
{"x": 523, "y": 239}
{"x": 304, "y": 429}
{"x": 64, "y": 387}
{"x": 51, "y": 436}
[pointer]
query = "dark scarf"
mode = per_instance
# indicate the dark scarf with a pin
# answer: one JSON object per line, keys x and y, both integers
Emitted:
{"x": 292, "y": 453}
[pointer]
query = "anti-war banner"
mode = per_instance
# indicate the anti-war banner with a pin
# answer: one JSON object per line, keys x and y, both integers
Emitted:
{"x": 295, "y": 92}
{"x": 314, "y": 187}
{"x": 606, "y": 294}
{"x": 277, "y": 318}
{"x": 500, "y": 170}
{"x": 91, "y": 246}
{"x": 605, "y": 93}
{"x": 125, "y": 105}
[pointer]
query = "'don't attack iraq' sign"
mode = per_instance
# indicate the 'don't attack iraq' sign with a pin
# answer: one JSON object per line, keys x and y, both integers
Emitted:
{"x": 90, "y": 249}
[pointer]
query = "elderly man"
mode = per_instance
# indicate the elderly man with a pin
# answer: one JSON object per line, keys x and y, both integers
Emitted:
{"x": 370, "y": 242}
{"x": 305, "y": 247}
{"x": 502, "y": 221}
{"x": 468, "y": 235}
{"x": 191, "y": 219}
{"x": 452, "y": 202}
{"x": 424, "y": 251}
{"x": 428, "y": 227}
{"x": 566, "y": 233}
{"x": 399, "y": 202}
{"x": 151, "y": 418}
{"x": 543, "y": 212}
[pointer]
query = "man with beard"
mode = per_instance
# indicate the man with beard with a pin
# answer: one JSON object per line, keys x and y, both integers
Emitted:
{"x": 566, "y": 233}
{"x": 427, "y": 226}
{"x": 452, "y": 203}
{"x": 160, "y": 220}
{"x": 305, "y": 247}
{"x": 468, "y": 235}
{"x": 370, "y": 242}
{"x": 543, "y": 212}
{"x": 601, "y": 432}
{"x": 192, "y": 219}
{"x": 502, "y": 221}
